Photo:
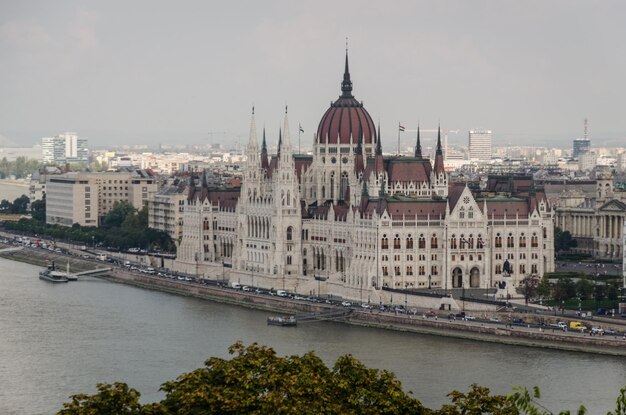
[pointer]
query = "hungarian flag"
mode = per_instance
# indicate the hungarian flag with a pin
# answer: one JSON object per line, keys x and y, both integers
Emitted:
{"x": 400, "y": 127}
{"x": 301, "y": 129}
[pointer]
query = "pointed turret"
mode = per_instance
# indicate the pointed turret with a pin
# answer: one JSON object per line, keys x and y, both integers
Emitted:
{"x": 418, "y": 144}
{"x": 379, "y": 166}
{"x": 346, "y": 84}
{"x": 204, "y": 189}
{"x": 192, "y": 187}
{"x": 359, "y": 165}
{"x": 439, "y": 168}
{"x": 280, "y": 141}
{"x": 265, "y": 163}
{"x": 252, "y": 140}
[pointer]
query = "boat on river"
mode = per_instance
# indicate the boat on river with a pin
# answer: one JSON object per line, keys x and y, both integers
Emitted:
{"x": 51, "y": 275}
{"x": 285, "y": 321}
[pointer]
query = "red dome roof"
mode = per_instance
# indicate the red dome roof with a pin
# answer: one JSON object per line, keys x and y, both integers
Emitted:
{"x": 346, "y": 117}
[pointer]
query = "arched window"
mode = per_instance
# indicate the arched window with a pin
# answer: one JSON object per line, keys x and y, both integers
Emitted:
{"x": 470, "y": 213}
{"x": 453, "y": 242}
{"x": 522, "y": 241}
{"x": 409, "y": 242}
{"x": 534, "y": 241}
{"x": 384, "y": 242}
{"x": 433, "y": 241}
{"x": 510, "y": 243}
{"x": 421, "y": 243}
{"x": 498, "y": 241}
{"x": 479, "y": 242}
{"x": 289, "y": 233}
{"x": 470, "y": 241}
{"x": 396, "y": 242}
{"x": 462, "y": 213}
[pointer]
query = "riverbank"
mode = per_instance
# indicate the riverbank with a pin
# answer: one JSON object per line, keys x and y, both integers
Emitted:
{"x": 495, "y": 333}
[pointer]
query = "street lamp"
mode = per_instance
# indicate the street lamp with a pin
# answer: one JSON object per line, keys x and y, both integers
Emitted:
{"x": 429, "y": 277}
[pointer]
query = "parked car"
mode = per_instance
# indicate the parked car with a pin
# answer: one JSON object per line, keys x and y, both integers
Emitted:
{"x": 430, "y": 314}
{"x": 346, "y": 303}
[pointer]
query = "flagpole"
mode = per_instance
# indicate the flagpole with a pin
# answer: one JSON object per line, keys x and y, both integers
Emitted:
{"x": 299, "y": 130}
{"x": 398, "y": 138}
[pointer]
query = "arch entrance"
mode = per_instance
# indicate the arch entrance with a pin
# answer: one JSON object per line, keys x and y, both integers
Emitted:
{"x": 457, "y": 278}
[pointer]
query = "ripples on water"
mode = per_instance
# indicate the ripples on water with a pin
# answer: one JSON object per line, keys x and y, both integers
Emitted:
{"x": 57, "y": 340}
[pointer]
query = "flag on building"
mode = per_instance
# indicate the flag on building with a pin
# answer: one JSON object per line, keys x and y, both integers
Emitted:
{"x": 400, "y": 127}
{"x": 301, "y": 129}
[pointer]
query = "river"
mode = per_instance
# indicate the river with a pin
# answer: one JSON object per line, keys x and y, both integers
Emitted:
{"x": 61, "y": 339}
{"x": 11, "y": 191}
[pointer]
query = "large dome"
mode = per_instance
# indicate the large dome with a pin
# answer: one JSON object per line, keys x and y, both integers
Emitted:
{"x": 346, "y": 118}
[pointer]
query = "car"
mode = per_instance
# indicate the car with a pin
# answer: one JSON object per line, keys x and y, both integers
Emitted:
{"x": 518, "y": 321}
{"x": 468, "y": 317}
{"x": 494, "y": 319}
{"x": 346, "y": 303}
{"x": 430, "y": 314}
{"x": 366, "y": 306}
{"x": 298, "y": 297}
{"x": 597, "y": 330}
{"x": 610, "y": 332}
{"x": 245, "y": 288}
{"x": 562, "y": 325}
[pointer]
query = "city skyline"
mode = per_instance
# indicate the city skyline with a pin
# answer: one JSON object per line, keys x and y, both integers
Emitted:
{"x": 530, "y": 71}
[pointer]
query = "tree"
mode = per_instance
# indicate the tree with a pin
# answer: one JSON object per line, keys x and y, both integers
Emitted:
{"x": 38, "y": 209}
{"x": 116, "y": 399}
{"x": 564, "y": 289}
{"x": 117, "y": 215}
{"x": 544, "y": 288}
{"x": 584, "y": 288}
{"x": 257, "y": 381}
{"x": 563, "y": 240}
{"x": 20, "y": 205}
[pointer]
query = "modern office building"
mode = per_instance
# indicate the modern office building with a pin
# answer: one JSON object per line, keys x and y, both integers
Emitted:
{"x": 85, "y": 198}
{"x": 64, "y": 148}
{"x": 580, "y": 146}
{"x": 480, "y": 145}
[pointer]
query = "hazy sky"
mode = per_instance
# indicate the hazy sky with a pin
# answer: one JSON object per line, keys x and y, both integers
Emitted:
{"x": 171, "y": 72}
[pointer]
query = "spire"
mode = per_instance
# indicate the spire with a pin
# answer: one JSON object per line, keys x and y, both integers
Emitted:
{"x": 359, "y": 166}
{"x": 265, "y": 164}
{"x": 280, "y": 141}
{"x": 287, "y": 141}
{"x": 381, "y": 192}
{"x": 439, "y": 152}
{"x": 418, "y": 145}
{"x": 439, "y": 168}
{"x": 252, "y": 141}
{"x": 365, "y": 191}
{"x": 379, "y": 148}
{"x": 346, "y": 85}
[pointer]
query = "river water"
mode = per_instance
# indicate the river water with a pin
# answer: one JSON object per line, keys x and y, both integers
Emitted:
{"x": 61, "y": 339}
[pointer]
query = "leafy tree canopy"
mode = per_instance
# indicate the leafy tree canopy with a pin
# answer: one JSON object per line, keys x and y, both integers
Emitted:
{"x": 257, "y": 381}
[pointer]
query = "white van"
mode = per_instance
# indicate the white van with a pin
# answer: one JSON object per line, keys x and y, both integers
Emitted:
{"x": 235, "y": 285}
{"x": 281, "y": 293}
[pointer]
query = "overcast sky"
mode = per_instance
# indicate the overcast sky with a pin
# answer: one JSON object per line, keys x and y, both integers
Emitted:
{"x": 184, "y": 71}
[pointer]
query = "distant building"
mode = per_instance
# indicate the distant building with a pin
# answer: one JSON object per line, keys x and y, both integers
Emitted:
{"x": 587, "y": 161}
{"x": 85, "y": 198}
{"x": 480, "y": 145}
{"x": 166, "y": 207}
{"x": 64, "y": 148}
{"x": 581, "y": 146}
{"x": 596, "y": 222}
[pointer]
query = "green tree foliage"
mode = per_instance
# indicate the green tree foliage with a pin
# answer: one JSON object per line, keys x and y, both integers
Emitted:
{"x": 563, "y": 240}
{"x": 564, "y": 289}
{"x": 118, "y": 214}
{"x": 257, "y": 381}
{"x": 584, "y": 288}
{"x": 20, "y": 167}
{"x": 38, "y": 209}
{"x": 544, "y": 288}
{"x": 20, "y": 205}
